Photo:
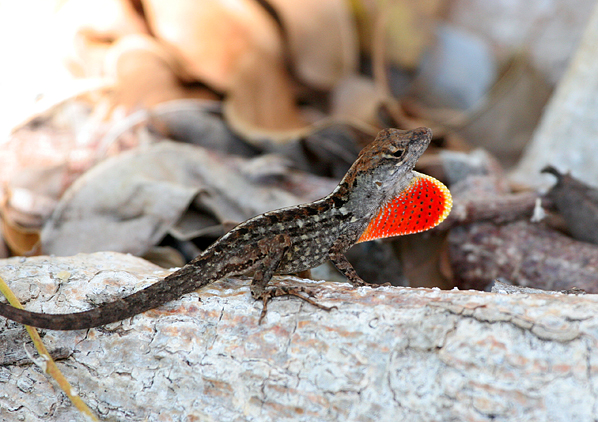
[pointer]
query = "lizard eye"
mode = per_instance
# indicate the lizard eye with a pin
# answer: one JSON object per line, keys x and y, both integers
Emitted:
{"x": 398, "y": 153}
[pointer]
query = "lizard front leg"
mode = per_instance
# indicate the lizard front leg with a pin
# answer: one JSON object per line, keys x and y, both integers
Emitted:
{"x": 340, "y": 261}
{"x": 273, "y": 250}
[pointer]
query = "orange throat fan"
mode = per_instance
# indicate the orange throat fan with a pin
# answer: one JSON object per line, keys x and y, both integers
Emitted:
{"x": 423, "y": 204}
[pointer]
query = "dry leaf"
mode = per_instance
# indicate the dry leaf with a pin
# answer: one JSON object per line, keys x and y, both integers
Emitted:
{"x": 504, "y": 121}
{"x": 165, "y": 257}
{"x": 129, "y": 202}
{"x": 36, "y": 166}
{"x": 197, "y": 122}
{"x": 85, "y": 30}
{"x": 357, "y": 97}
{"x": 261, "y": 104}
{"x": 126, "y": 203}
{"x": 146, "y": 74}
{"x": 213, "y": 37}
{"x": 322, "y": 39}
{"x": 233, "y": 46}
{"x": 330, "y": 150}
{"x": 19, "y": 239}
{"x": 42, "y": 159}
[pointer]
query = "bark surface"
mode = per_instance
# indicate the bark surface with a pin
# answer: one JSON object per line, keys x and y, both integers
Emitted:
{"x": 385, "y": 354}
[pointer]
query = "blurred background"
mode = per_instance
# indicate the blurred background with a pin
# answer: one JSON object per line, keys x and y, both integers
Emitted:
{"x": 153, "y": 126}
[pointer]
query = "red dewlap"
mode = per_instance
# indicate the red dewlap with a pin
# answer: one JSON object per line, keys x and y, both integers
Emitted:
{"x": 424, "y": 204}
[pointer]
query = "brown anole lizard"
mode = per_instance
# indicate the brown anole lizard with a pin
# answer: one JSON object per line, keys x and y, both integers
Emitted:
{"x": 380, "y": 196}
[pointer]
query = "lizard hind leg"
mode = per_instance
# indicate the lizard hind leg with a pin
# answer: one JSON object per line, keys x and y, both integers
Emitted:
{"x": 272, "y": 251}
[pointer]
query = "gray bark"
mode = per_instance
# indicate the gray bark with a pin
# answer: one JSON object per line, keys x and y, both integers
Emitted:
{"x": 386, "y": 354}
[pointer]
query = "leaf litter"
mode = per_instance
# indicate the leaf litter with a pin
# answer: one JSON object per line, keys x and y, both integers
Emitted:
{"x": 184, "y": 118}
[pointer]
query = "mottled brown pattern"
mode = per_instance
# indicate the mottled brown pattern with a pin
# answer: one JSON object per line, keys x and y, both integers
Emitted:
{"x": 283, "y": 241}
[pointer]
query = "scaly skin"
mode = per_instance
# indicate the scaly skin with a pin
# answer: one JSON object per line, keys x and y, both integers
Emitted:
{"x": 287, "y": 240}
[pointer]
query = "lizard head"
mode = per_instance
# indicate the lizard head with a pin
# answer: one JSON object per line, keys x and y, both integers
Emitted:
{"x": 382, "y": 170}
{"x": 387, "y": 163}
{"x": 382, "y": 196}
{"x": 395, "y": 151}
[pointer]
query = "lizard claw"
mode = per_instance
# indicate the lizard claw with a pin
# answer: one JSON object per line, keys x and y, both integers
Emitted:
{"x": 266, "y": 296}
{"x": 289, "y": 291}
{"x": 376, "y": 285}
{"x": 361, "y": 283}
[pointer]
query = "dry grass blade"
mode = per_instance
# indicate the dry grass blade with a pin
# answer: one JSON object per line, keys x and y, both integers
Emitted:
{"x": 48, "y": 364}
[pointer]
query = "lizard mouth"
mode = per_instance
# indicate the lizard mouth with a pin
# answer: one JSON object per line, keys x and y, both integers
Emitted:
{"x": 421, "y": 138}
{"x": 418, "y": 143}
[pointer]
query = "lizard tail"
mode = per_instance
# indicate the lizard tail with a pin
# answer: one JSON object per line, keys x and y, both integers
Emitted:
{"x": 163, "y": 291}
{"x": 74, "y": 321}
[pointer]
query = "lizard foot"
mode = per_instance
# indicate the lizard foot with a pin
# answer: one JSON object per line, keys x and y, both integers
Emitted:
{"x": 289, "y": 291}
{"x": 361, "y": 283}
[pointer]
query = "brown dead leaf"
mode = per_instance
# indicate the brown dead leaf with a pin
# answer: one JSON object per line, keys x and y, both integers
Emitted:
{"x": 4, "y": 253}
{"x": 213, "y": 38}
{"x": 87, "y": 28}
{"x": 235, "y": 47}
{"x": 261, "y": 104}
{"x": 146, "y": 74}
{"x": 322, "y": 39}
{"x": 20, "y": 240}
